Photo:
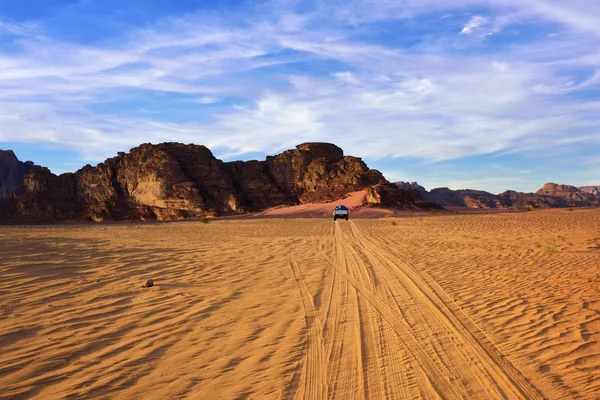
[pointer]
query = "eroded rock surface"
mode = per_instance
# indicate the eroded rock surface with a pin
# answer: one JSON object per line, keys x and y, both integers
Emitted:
{"x": 12, "y": 172}
{"x": 591, "y": 189}
{"x": 173, "y": 180}
{"x": 551, "y": 195}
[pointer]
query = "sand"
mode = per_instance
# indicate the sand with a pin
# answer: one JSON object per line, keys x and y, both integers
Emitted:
{"x": 355, "y": 201}
{"x": 464, "y": 306}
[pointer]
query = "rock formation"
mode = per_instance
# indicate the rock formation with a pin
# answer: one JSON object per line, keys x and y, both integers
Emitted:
{"x": 389, "y": 195}
{"x": 410, "y": 185}
{"x": 12, "y": 172}
{"x": 569, "y": 196}
{"x": 463, "y": 198}
{"x": 590, "y": 189}
{"x": 550, "y": 195}
{"x": 173, "y": 180}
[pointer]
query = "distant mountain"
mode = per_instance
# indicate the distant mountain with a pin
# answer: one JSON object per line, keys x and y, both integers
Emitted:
{"x": 173, "y": 180}
{"x": 410, "y": 185}
{"x": 570, "y": 195}
{"x": 12, "y": 172}
{"x": 591, "y": 189}
{"x": 551, "y": 195}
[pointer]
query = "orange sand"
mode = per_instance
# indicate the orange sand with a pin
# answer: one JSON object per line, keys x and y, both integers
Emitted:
{"x": 465, "y": 306}
{"x": 355, "y": 202}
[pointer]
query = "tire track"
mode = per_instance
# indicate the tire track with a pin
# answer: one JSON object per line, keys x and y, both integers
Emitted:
{"x": 374, "y": 318}
{"x": 439, "y": 381}
{"x": 504, "y": 374}
{"x": 365, "y": 336}
{"x": 313, "y": 382}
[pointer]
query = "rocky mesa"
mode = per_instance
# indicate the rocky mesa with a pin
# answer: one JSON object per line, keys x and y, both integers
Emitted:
{"x": 174, "y": 180}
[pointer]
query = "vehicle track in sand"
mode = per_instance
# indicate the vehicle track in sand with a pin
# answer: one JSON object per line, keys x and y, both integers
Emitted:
{"x": 381, "y": 328}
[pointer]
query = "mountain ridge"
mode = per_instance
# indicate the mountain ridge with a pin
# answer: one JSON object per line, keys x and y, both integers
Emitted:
{"x": 551, "y": 195}
{"x": 174, "y": 180}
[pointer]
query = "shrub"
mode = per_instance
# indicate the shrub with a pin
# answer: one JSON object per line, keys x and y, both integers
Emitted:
{"x": 410, "y": 214}
{"x": 432, "y": 212}
{"x": 570, "y": 209}
{"x": 529, "y": 208}
{"x": 550, "y": 250}
{"x": 204, "y": 220}
{"x": 394, "y": 223}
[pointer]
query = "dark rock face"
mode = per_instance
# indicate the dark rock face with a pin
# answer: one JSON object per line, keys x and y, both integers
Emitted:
{"x": 389, "y": 195}
{"x": 43, "y": 195}
{"x": 463, "y": 198}
{"x": 172, "y": 180}
{"x": 410, "y": 185}
{"x": 319, "y": 172}
{"x": 12, "y": 172}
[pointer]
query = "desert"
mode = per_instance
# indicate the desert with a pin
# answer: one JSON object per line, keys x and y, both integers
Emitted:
{"x": 299, "y": 200}
{"x": 502, "y": 305}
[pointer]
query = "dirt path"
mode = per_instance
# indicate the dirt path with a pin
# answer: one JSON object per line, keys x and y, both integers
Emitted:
{"x": 383, "y": 329}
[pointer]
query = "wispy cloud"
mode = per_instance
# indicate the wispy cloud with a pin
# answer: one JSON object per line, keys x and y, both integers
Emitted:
{"x": 474, "y": 23}
{"x": 263, "y": 79}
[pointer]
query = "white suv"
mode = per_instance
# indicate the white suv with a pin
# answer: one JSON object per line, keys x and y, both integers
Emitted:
{"x": 340, "y": 211}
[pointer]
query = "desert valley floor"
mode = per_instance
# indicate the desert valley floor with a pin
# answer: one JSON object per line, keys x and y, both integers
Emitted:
{"x": 464, "y": 306}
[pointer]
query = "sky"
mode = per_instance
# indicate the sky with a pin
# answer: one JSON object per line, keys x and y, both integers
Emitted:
{"x": 480, "y": 94}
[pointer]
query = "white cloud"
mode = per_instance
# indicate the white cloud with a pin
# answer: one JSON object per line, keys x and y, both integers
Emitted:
{"x": 208, "y": 100}
{"x": 474, "y": 23}
{"x": 375, "y": 101}
{"x": 500, "y": 66}
{"x": 347, "y": 77}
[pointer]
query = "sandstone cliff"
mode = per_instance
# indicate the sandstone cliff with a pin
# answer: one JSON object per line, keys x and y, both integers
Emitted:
{"x": 12, "y": 172}
{"x": 463, "y": 198}
{"x": 569, "y": 196}
{"x": 389, "y": 195}
{"x": 172, "y": 180}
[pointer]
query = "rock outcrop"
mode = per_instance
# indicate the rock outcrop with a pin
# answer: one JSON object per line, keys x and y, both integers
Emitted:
{"x": 390, "y": 196}
{"x": 590, "y": 189}
{"x": 12, "y": 172}
{"x": 569, "y": 196}
{"x": 409, "y": 185}
{"x": 550, "y": 195}
{"x": 463, "y": 198}
{"x": 173, "y": 180}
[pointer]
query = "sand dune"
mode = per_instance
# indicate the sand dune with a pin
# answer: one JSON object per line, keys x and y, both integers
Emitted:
{"x": 465, "y": 306}
{"x": 355, "y": 201}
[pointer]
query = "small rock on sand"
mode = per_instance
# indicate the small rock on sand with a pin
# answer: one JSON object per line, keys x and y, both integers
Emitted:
{"x": 149, "y": 283}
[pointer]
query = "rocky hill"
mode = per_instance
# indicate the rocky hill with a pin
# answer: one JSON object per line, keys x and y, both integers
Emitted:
{"x": 409, "y": 185}
{"x": 173, "y": 180}
{"x": 590, "y": 189}
{"x": 12, "y": 172}
{"x": 551, "y": 195}
{"x": 570, "y": 195}
{"x": 463, "y": 198}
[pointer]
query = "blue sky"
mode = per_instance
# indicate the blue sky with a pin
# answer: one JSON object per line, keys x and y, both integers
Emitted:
{"x": 484, "y": 94}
